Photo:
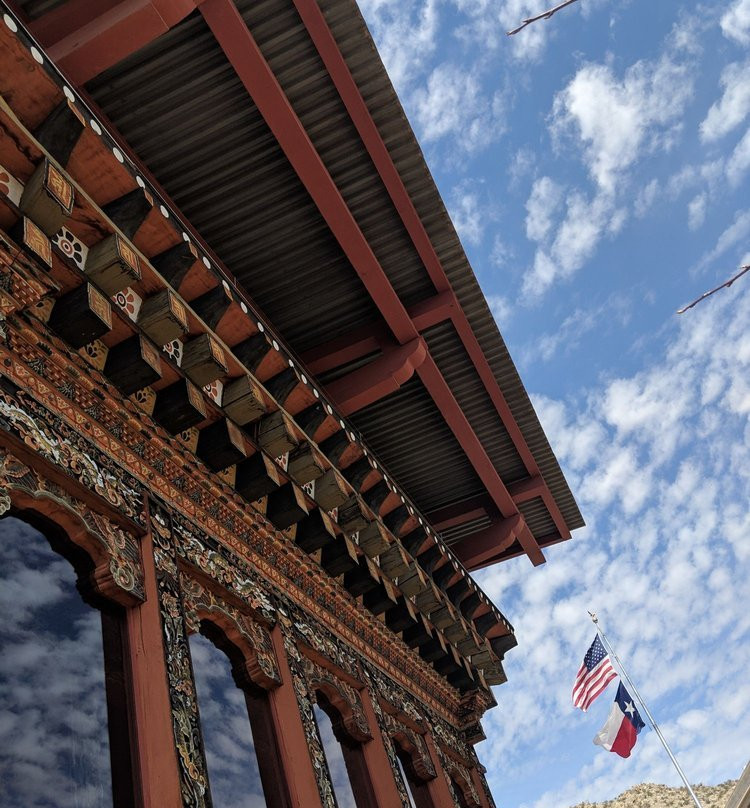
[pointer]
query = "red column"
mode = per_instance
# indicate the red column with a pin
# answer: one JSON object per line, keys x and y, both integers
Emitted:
{"x": 477, "y": 780}
{"x": 290, "y": 735}
{"x": 155, "y": 755}
{"x": 376, "y": 758}
{"x": 438, "y": 787}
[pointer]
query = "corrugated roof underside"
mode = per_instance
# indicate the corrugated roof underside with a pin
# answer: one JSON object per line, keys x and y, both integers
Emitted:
{"x": 355, "y": 43}
{"x": 456, "y": 366}
{"x": 408, "y": 432}
{"x": 286, "y": 46}
{"x": 174, "y": 101}
{"x": 180, "y": 105}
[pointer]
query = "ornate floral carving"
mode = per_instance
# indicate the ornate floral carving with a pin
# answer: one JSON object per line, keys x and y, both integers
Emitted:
{"x": 252, "y": 638}
{"x": 342, "y": 697}
{"x": 412, "y": 743}
{"x": 222, "y": 566}
{"x": 309, "y": 724}
{"x": 116, "y": 554}
{"x": 46, "y": 434}
{"x": 185, "y": 720}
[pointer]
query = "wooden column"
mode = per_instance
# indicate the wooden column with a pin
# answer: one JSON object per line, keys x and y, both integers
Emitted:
{"x": 479, "y": 786}
{"x": 376, "y": 758}
{"x": 155, "y": 756}
{"x": 290, "y": 734}
{"x": 438, "y": 787}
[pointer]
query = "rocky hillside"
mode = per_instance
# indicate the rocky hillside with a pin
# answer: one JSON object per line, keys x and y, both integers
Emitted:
{"x": 649, "y": 795}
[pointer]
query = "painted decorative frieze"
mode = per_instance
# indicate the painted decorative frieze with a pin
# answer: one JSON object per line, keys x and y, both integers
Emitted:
{"x": 23, "y": 417}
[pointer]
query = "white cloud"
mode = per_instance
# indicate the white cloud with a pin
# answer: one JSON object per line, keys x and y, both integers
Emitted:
{"x": 567, "y": 335}
{"x": 697, "y": 211}
{"x": 541, "y": 208}
{"x": 736, "y": 233}
{"x": 660, "y": 463}
{"x": 617, "y": 120}
{"x": 468, "y": 216}
{"x": 453, "y": 103}
{"x": 735, "y": 23}
{"x": 739, "y": 162}
{"x": 406, "y": 34}
{"x": 574, "y": 241}
{"x": 521, "y": 165}
{"x": 501, "y": 253}
{"x": 733, "y": 106}
{"x": 501, "y": 309}
{"x": 646, "y": 198}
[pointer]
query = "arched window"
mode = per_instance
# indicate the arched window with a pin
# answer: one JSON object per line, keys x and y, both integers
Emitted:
{"x": 407, "y": 780}
{"x": 415, "y": 766}
{"x": 244, "y": 769}
{"x": 342, "y": 787}
{"x": 344, "y": 755}
{"x": 64, "y": 739}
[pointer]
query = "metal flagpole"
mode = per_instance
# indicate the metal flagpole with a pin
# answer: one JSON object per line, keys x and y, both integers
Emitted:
{"x": 637, "y": 695}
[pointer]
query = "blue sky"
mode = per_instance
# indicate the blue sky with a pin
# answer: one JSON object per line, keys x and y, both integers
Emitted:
{"x": 596, "y": 166}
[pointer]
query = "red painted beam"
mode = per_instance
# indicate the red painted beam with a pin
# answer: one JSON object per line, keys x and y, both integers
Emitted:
{"x": 434, "y": 310}
{"x": 342, "y": 350}
{"x": 477, "y": 550}
{"x": 370, "y": 338}
{"x": 314, "y": 20}
{"x": 376, "y": 380}
{"x": 67, "y": 18}
{"x": 83, "y": 45}
{"x": 530, "y": 488}
{"x": 456, "y": 419}
{"x": 245, "y": 56}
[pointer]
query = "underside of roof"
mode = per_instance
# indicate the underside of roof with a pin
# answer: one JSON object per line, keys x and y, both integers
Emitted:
{"x": 189, "y": 118}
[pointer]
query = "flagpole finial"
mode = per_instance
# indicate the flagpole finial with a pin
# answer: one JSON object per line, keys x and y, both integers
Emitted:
{"x": 593, "y": 617}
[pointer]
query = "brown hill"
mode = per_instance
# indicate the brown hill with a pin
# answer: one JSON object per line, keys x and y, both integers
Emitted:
{"x": 651, "y": 795}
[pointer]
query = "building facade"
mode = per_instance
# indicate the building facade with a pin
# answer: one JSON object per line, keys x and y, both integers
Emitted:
{"x": 249, "y": 391}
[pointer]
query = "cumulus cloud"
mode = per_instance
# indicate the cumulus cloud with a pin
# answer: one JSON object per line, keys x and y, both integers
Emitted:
{"x": 501, "y": 309}
{"x": 467, "y": 215}
{"x": 739, "y": 161}
{"x": 566, "y": 249}
{"x": 660, "y": 464}
{"x": 453, "y": 103}
{"x": 406, "y": 33}
{"x": 735, "y": 234}
{"x": 735, "y": 22}
{"x": 733, "y": 106}
{"x": 567, "y": 335}
{"x": 697, "y": 211}
{"x": 541, "y": 207}
{"x": 616, "y": 119}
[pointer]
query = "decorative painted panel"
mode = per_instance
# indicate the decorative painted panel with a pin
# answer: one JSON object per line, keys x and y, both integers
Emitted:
{"x": 185, "y": 719}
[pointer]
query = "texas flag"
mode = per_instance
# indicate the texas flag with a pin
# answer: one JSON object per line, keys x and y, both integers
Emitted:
{"x": 620, "y": 732}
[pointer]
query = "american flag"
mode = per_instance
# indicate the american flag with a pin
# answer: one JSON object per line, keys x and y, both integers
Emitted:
{"x": 594, "y": 675}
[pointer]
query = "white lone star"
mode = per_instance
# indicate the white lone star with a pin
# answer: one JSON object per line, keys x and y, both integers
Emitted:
{"x": 629, "y": 708}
